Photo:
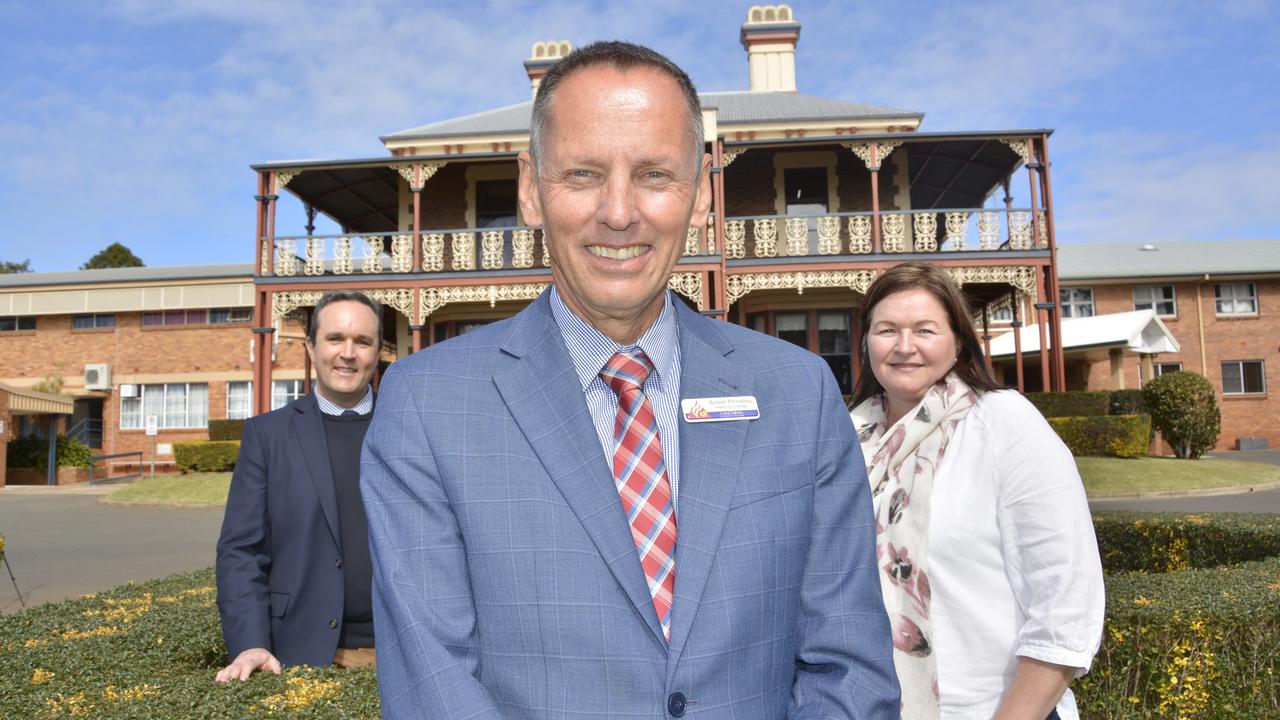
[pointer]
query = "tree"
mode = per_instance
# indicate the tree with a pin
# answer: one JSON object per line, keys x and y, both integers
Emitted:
{"x": 13, "y": 266}
{"x": 114, "y": 255}
{"x": 1184, "y": 409}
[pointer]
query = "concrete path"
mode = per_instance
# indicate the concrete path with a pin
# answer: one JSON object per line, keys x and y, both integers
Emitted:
{"x": 62, "y": 543}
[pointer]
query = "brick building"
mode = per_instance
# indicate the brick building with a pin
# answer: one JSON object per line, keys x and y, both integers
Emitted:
{"x": 812, "y": 197}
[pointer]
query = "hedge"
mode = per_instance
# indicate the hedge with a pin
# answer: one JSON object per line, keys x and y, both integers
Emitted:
{"x": 33, "y": 451}
{"x": 1073, "y": 403}
{"x": 151, "y": 651}
{"x": 1202, "y": 642}
{"x": 1127, "y": 402}
{"x": 1124, "y": 436}
{"x": 1184, "y": 408}
{"x": 226, "y": 429}
{"x": 206, "y": 456}
{"x": 1197, "y": 644}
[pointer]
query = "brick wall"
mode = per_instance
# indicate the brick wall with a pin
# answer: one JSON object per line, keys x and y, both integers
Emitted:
{"x": 7, "y": 419}
{"x": 1225, "y": 338}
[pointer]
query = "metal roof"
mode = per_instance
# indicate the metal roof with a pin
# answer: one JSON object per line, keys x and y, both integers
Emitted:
{"x": 1139, "y": 330}
{"x": 733, "y": 107}
{"x": 126, "y": 275}
{"x": 25, "y": 401}
{"x": 1090, "y": 261}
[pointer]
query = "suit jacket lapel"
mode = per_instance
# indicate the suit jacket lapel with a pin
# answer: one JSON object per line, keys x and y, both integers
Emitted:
{"x": 544, "y": 395}
{"x": 308, "y": 429}
{"x": 710, "y": 455}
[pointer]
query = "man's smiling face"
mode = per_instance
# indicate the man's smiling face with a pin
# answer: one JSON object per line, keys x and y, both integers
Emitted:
{"x": 615, "y": 190}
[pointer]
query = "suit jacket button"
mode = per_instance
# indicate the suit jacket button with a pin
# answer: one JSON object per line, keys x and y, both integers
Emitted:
{"x": 676, "y": 704}
{"x": 339, "y": 563}
{"x": 333, "y": 625}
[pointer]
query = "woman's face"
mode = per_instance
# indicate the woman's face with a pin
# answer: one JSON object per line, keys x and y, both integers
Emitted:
{"x": 911, "y": 346}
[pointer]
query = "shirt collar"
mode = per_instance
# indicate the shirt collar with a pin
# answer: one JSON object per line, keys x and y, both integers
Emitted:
{"x": 590, "y": 349}
{"x": 364, "y": 407}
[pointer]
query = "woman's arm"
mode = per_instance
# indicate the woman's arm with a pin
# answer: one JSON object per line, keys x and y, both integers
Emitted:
{"x": 1036, "y": 688}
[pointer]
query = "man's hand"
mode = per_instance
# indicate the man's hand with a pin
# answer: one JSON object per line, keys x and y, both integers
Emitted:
{"x": 246, "y": 663}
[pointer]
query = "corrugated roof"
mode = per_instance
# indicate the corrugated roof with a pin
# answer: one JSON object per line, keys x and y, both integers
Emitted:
{"x": 123, "y": 275}
{"x": 25, "y": 401}
{"x": 1088, "y": 261}
{"x": 733, "y": 107}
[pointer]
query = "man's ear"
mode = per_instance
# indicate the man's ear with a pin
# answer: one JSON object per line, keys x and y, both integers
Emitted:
{"x": 702, "y": 204}
{"x": 530, "y": 201}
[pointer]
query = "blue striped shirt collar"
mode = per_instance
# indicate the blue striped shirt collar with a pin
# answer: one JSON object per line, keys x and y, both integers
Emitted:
{"x": 364, "y": 407}
{"x": 590, "y": 349}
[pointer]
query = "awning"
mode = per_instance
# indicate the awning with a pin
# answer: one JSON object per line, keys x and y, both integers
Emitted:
{"x": 1140, "y": 331}
{"x": 29, "y": 402}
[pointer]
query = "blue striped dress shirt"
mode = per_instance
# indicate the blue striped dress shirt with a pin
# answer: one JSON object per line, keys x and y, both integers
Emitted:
{"x": 328, "y": 407}
{"x": 590, "y": 350}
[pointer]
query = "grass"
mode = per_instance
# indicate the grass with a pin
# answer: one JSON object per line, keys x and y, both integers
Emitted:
{"x": 1116, "y": 476}
{"x": 194, "y": 490}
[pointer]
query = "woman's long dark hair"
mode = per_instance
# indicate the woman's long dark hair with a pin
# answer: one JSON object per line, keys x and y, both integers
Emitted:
{"x": 970, "y": 364}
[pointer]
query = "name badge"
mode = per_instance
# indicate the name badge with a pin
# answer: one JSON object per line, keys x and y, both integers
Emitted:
{"x": 720, "y": 409}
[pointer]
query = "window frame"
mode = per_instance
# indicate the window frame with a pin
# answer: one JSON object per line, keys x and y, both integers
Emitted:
{"x": 1073, "y": 304}
{"x": 162, "y": 416}
{"x": 18, "y": 322}
{"x": 289, "y": 395}
{"x": 1154, "y": 303}
{"x": 1240, "y": 364}
{"x": 249, "y": 391}
{"x": 1251, "y": 297}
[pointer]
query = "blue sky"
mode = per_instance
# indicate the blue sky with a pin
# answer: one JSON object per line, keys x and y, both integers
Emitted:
{"x": 136, "y": 120}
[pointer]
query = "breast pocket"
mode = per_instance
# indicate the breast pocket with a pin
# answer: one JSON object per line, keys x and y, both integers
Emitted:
{"x": 766, "y": 485}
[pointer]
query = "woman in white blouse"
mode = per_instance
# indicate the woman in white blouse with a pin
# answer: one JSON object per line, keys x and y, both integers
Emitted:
{"x": 989, "y": 565}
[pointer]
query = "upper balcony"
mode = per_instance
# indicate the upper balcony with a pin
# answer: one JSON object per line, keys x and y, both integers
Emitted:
{"x": 777, "y": 203}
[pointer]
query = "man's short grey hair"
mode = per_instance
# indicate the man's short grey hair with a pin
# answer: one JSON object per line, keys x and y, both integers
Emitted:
{"x": 620, "y": 56}
{"x": 333, "y": 296}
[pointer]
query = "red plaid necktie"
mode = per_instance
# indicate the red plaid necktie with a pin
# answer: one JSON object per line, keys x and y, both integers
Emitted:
{"x": 641, "y": 477}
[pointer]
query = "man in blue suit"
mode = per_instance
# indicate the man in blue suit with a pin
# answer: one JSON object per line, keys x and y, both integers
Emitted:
{"x": 609, "y": 506}
{"x": 293, "y": 568}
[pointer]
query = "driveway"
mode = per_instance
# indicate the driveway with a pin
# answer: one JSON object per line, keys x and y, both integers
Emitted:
{"x": 63, "y": 543}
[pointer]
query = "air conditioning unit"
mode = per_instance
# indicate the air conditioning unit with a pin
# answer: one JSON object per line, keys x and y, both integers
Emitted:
{"x": 97, "y": 376}
{"x": 128, "y": 391}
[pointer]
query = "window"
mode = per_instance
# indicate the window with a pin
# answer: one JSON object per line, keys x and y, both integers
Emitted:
{"x": 230, "y": 315}
{"x": 495, "y": 203}
{"x": 93, "y": 320}
{"x": 175, "y": 405}
{"x": 1168, "y": 367}
{"x": 1001, "y": 314}
{"x": 1236, "y": 298}
{"x": 239, "y": 400}
{"x": 1159, "y": 297}
{"x": 284, "y": 392}
{"x": 1078, "y": 302}
{"x": 792, "y": 327}
{"x": 1240, "y": 377}
{"x": 835, "y": 346}
{"x": 10, "y": 323}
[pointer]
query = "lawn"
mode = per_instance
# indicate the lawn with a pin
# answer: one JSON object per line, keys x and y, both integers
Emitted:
{"x": 1118, "y": 476}
{"x": 194, "y": 490}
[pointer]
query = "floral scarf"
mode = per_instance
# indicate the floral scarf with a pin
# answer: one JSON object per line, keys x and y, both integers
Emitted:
{"x": 901, "y": 461}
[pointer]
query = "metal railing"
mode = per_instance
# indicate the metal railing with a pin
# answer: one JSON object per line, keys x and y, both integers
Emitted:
{"x": 87, "y": 431}
{"x": 93, "y": 461}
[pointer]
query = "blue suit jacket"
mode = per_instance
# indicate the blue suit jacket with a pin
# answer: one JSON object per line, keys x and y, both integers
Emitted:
{"x": 506, "y": 583}
{"x": 280, "y": 582}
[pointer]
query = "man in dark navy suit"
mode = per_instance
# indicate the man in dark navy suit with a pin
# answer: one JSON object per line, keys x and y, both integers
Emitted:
{"x": 293, "y": 567}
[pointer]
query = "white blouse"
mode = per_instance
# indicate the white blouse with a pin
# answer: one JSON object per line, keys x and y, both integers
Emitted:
{"x": 1013, "y": 560}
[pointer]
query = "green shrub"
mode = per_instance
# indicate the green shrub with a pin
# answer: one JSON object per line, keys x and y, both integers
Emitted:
{"x": 33, "y": 451}
{"x": 226, "y": 429}
{"x": 206, "y": 456}
{"x": 1184, "y": 408}
{"x": 1124, "y": 436}
{"x": 150, "y": 651}
{"x": 1193, "y": 618}
{"x": 1126, "y": 402}
{"x": 1073, "y": 403}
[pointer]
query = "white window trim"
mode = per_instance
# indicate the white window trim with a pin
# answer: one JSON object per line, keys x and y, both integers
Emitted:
{"x": 142, "y": 415}
{"x": 1253, "y": 295}
{"x": 1155, "y": 304}
{"x": 1262, "y": 365}
{"x": 1093, "y": 308}
{"x": 227, "y": 414}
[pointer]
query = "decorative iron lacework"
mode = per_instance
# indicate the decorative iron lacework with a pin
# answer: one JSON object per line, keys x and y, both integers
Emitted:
{"x": 737, "y": 286}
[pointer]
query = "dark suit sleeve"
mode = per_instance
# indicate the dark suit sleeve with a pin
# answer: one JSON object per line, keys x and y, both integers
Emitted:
{"x": 428, "y": 653}
{"x": 244, "y": 561}
{"x": 844, "y": 661}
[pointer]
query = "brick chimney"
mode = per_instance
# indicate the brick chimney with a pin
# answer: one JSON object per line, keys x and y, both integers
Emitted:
{"x": 543, "y": 55}
{"x": 769, "y": 36}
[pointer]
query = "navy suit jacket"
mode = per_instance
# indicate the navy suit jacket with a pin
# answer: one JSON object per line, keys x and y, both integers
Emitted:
{"x": 280, "y": 577}
{"x": 506, "y": 581}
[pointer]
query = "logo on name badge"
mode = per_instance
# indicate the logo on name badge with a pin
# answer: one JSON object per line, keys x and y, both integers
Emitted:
{"x": 720, "y": 409}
